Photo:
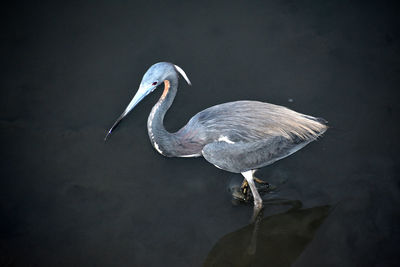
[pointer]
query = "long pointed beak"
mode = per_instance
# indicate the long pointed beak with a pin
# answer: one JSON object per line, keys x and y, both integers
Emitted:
{"x": 140, "y": 94}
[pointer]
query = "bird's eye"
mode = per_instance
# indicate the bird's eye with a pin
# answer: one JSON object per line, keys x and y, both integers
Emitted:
{"x": 154, "y": 83}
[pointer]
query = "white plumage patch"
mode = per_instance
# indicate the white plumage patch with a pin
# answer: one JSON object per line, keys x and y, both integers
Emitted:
{"x": 190, "y": 156}
{"x": 183, "y": 74}
{"x": 217, "y": 166}
{"x": 157, "y": 148}
{"x": 225, "y": 139}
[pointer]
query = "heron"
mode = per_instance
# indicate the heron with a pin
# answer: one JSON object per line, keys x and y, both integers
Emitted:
{"x": 238, "y": 137}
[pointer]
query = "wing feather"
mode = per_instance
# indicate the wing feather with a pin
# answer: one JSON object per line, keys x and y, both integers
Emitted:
{"x": 248, "y": 121}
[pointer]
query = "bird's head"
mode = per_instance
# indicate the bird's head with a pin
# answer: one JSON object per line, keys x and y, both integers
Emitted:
{"x": 153, "y": 77}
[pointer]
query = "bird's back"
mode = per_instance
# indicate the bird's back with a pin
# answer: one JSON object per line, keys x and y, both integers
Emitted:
{"x": 249, "y": 121}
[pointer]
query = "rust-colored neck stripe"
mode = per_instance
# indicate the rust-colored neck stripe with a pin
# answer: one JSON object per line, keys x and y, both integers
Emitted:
{"x": 166, "y": 88}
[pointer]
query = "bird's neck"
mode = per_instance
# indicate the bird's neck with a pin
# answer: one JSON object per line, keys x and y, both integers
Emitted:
{"x": 162, "y": 140}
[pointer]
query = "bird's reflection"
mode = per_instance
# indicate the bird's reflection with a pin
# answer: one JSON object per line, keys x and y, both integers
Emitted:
{"x": 276, "y": 240}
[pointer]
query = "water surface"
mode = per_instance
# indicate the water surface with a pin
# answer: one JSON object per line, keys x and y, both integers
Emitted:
{"x": 69, "y": 70}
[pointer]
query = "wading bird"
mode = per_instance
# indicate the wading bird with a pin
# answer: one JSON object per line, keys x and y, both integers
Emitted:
{"x": 238, "y": 137}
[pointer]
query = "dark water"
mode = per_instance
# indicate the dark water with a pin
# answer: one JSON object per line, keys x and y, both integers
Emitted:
{"x": 69, "y": 69}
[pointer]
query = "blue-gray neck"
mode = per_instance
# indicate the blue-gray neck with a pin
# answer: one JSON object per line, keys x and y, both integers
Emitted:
{"x": 162, "y": 140}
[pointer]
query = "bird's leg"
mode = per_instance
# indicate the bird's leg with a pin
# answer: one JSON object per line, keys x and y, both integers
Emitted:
{"x": 244, "y": 193}
{"x": 241, "y": 194}
{"x": 244, "y": 187}
{"x": 264, "y": 186}
{"x": 258, "y": 180}
{"x": 249, "y": 176}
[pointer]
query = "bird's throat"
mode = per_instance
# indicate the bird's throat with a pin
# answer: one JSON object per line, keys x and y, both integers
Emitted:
{"x": 166, "y": 88}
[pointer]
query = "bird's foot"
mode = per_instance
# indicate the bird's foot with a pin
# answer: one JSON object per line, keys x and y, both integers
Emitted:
{"x": 264, "y": 187}
{"x": 243, "y": 194}
{"x": 239, "y": 195}
{"x": 258, "y": 180}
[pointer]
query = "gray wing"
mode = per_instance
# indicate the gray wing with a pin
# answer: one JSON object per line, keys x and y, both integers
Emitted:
{"x": 249, "y": 121}
{"x": 242, "y": 156}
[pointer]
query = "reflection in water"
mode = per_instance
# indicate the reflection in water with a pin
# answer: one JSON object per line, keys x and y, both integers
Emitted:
{"x": 276, "y": 240}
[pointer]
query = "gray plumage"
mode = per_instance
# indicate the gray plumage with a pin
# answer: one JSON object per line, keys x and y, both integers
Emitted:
{"x": 259, "y": 134}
